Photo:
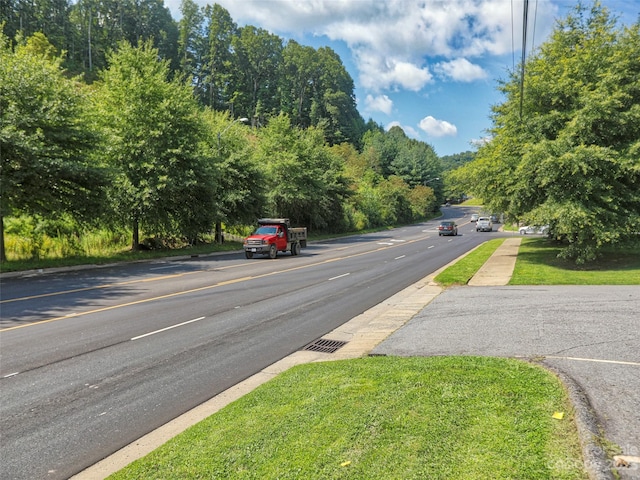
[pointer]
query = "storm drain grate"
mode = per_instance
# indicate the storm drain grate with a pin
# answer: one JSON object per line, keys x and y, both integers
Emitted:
{"x": 325, "y": 345}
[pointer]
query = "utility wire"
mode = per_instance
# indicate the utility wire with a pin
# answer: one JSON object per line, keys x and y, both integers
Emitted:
{"x": 513, "y": 47}
{"x": 533, "y": 34}
{"x": 525, "y": 19}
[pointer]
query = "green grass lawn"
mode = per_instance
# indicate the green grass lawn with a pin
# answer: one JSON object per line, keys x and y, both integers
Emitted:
{"x": 383, "y": 418}
{"x": 538, "y": 264}
{"x": 113, "y": 256}
{"x": 461, "y": 272}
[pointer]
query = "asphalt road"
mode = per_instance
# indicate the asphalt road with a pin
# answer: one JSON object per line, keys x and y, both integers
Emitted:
{"x": 91, "y": 360}
{"x": 590, "y": 333}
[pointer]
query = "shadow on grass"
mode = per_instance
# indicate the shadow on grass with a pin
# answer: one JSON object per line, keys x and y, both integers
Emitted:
{"x": 126, "y": 255}
{"x": 545, "y": 252}
{"x": 538, "y": 264}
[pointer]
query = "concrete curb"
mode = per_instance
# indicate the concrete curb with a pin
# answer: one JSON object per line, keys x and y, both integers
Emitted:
{"x": 596, "y": 462}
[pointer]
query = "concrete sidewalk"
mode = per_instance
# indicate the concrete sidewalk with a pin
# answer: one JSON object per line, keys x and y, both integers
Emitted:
{"x": 498, "y": 269}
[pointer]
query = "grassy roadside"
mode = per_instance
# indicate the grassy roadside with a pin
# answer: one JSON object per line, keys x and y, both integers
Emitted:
{"x": 461, "y": 272}
{"x": 383, "y": 418}
{"x": 538, "y": 264}
{"x": 125, "y": 255}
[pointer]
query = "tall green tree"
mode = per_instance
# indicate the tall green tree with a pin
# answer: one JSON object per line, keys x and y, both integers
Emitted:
{"x": 150, "y": 20}
{"x": 49, "y": 17}
{"x": 394, "y": 196}
{"x": 334, "y": 104}
{"x": 190, "y": 40}
{"x": 99, "y": 26}
{"x": 258, "y": 56}
{"x": 240, "y": 183}
{"x": 97, "y": 29}
{"x": 416, "y": 163}
{"x": 220, "y": 76}
{"x": 163, "y": 181}
{"x": 393, "y": 153}
{"x": 305, "y": 180}
{"x": 566, "y": 153}
{"x": 45, "y": 137}
{"x": 300, "y": 72}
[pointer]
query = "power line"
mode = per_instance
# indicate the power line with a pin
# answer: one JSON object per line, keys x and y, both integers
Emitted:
{"x": 525, "y": 20}
{"x": 533, "y": 34}
{"x": 513, "y": 47}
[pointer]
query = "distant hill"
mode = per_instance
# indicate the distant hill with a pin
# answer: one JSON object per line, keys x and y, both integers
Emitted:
{"x": 451, "y": 162}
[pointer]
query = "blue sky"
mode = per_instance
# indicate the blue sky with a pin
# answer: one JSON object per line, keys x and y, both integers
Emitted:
{"x": 429, "y": 66}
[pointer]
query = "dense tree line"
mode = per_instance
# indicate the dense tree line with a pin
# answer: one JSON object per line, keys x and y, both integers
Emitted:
{"x": 455, "y": 191}
{"x": 567, "y": 153}
{"x": 246, "y": 71}
{"x": 139, "y": 148}
{"x": 113, "y": 114}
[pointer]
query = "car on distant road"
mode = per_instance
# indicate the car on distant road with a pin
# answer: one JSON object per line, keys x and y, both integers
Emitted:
{"x": 494, "y": 218}
{"x": 484, "y": 224}
{"x": 474, "y": 217}
{"x": 534, "y": 230}
{"x": 447, "y": 228}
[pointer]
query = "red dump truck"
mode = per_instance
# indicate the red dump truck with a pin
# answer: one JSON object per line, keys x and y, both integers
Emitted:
{"x": 275, "y": 235}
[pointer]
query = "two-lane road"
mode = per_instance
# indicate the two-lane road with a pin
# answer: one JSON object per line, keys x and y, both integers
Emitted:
{"x": 91, "y": 360}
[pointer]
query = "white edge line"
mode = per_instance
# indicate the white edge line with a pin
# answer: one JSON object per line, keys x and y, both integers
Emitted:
{"x": 167, "y": 328}
{"x": 163, "y": 267}
{"x": 617, "y": 362}
{"x": 339, "y": 276}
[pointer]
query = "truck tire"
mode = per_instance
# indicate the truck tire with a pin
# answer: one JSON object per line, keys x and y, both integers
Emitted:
{"x": 295, "y": 248}
{"x": 248, "y": 254}
{"x": 273, "y": 251}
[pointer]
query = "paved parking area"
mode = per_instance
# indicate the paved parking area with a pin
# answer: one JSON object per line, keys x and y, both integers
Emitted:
{"x": 589, "y": 333}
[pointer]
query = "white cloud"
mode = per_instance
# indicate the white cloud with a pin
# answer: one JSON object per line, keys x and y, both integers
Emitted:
{"x": 380, "y": 103}
{"x": 377, "y": 73}
{"x": 437, "y": 128}
{"x": 393, "y": 40}
{"x": 461, "y": 70}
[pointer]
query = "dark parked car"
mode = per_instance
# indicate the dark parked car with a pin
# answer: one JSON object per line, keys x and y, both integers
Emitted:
{"x": 447, "y": 228}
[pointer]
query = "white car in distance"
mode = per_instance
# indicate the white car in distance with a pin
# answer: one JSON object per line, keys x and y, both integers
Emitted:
{"x": 534, "y": 230}
{"x": 484, "y": 224}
